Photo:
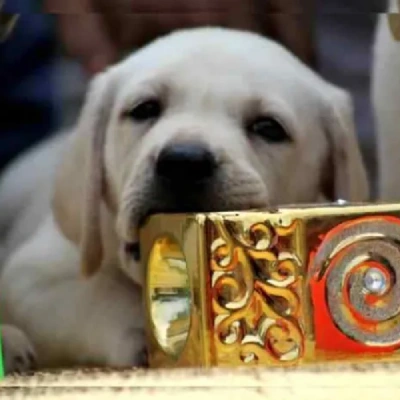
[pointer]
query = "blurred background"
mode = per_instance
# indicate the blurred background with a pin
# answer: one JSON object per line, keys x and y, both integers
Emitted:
{"x": 46, "y": 59}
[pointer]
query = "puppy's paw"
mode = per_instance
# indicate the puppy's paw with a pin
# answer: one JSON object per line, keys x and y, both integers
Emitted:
{"x": 18, "y": 352}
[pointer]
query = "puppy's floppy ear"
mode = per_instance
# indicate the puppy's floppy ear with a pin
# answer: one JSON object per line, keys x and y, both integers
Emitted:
{"x": 345, "y": 176}
{"x": 79, "y": 188}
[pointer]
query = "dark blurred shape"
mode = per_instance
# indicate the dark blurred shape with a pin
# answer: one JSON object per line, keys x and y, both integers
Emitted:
{"x": 28, "y": 110}
{"x": 345, "y": 37}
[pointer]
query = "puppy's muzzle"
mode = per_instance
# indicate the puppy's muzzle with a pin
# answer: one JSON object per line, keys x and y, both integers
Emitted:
{"x": 185, "y": 165}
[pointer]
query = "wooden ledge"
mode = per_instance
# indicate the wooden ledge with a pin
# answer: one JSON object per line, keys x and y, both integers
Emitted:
{"x": 349, "y": 382}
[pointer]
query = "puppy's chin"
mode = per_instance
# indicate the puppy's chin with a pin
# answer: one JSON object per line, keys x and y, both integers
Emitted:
{"x": 137, "y": 207}
{"x": 130, "y": 222}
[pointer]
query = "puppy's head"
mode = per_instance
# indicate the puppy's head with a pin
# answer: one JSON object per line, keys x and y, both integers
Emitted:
{"x": 202, "y": 120}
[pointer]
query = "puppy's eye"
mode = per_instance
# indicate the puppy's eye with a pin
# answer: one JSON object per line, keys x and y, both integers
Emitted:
{"x": 269, "y": 129}
{"x": 149, "y": 109}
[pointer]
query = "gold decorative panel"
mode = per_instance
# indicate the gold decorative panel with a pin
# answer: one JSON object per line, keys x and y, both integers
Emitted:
{"x": 274, "y": 287}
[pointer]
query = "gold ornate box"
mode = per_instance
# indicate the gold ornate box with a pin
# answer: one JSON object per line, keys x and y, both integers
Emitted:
{"x": 279, "y": 287}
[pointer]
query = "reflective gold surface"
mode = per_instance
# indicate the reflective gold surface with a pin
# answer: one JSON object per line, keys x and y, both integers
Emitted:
{"x": 169, "y": 295}
{"x": 255, "y": 295}
{"x": 277, "y": 288}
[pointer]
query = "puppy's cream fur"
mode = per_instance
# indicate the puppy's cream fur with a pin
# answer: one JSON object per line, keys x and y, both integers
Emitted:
{"x": 210, "y": 81}
{"x": 386, "y": 105}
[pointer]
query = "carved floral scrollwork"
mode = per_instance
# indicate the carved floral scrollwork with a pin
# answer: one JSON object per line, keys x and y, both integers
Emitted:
{"x": 255, "y": 299}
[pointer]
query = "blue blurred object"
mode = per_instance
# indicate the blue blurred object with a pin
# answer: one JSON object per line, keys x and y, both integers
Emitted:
{"x": 28, "y": 101}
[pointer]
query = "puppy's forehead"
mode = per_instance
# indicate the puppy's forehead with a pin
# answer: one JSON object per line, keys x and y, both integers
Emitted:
{"x": 221, "y": 69}
{"x": 215, "y": 53}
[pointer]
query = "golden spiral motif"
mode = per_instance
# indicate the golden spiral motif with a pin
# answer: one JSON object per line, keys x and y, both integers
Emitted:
{"x": 344, "y": 257}
{"x": 255, "y": 318}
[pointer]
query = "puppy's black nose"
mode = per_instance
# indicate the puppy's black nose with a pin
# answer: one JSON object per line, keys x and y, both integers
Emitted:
{"x": 185, "y": 162}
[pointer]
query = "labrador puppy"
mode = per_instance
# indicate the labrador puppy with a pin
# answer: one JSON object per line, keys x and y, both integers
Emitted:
{"x": 199, "y": 120}
{"x": 386, "y": 101}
